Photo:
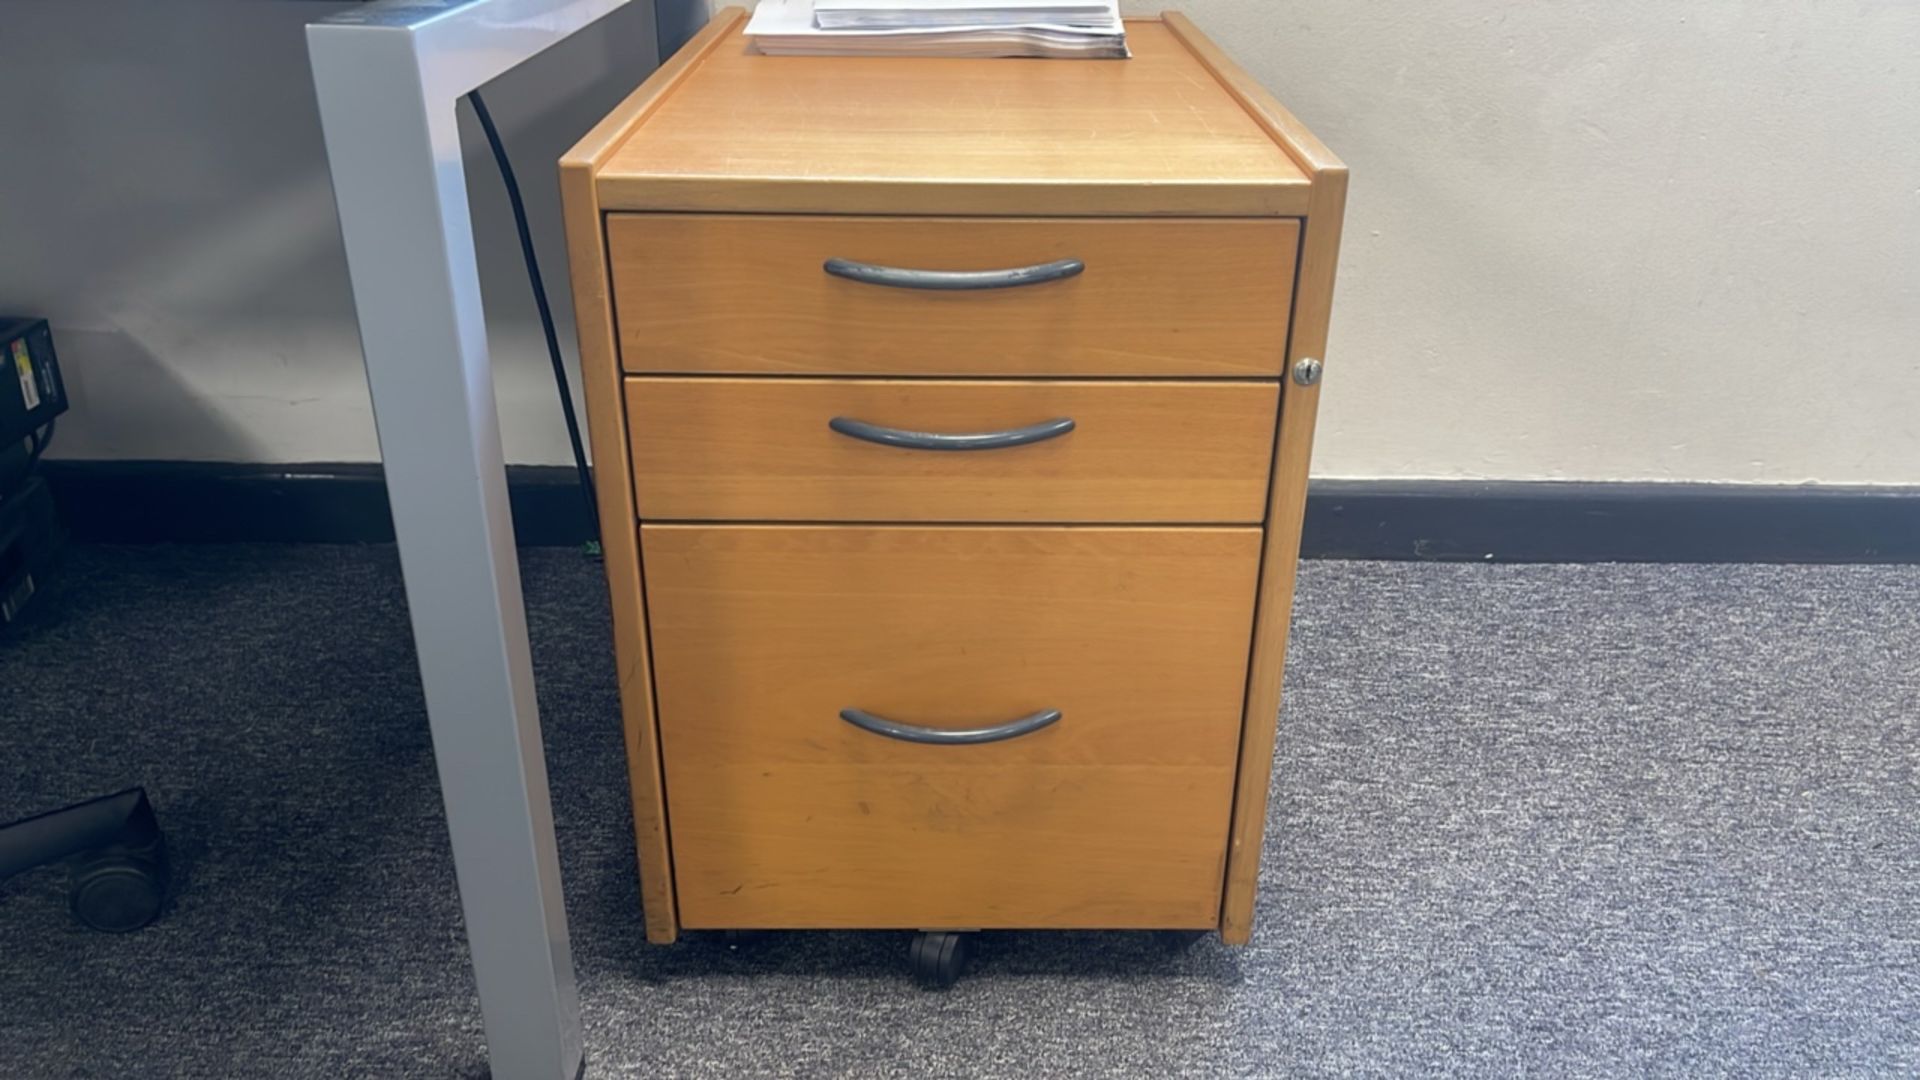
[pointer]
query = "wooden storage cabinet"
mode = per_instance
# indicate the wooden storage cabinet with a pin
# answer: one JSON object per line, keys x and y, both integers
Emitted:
{"x": 951, "y": 495}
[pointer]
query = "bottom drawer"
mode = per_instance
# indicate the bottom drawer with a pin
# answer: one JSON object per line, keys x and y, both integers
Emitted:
{"x": 782, "y": 812}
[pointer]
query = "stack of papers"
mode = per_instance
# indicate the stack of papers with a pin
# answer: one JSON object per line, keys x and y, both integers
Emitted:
{"x": 908, "y": 14}
{"x": 1088, "y": 29}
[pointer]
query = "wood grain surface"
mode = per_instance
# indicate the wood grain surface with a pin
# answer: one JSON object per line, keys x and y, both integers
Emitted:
{"x": 760, "y": 449}
{"x": 613, "y": 481}
{"x": 784, "y": 815}
{"x": 1156, "y": 134}
{"x": 723, "y": 294}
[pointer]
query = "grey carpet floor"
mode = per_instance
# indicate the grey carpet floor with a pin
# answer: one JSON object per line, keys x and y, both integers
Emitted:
{"x": 1552, "y": 820}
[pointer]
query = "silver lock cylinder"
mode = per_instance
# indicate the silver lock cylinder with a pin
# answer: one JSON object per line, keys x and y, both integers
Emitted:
{"x": 1306, "y": 371}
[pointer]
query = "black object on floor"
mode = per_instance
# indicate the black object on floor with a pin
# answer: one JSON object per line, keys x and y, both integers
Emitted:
{"x": 118, "y": 857}
{"x": 1564, "y": 820}
{"x": 30, "y": 539}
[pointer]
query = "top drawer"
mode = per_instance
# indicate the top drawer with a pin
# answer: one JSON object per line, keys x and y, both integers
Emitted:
{"x": 723, "y": 294}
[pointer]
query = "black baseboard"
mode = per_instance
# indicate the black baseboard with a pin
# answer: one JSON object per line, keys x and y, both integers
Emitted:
{"x": 191, "y": 502}
{"x": 148, "y": 502}
{"x": 1525, "y": 521}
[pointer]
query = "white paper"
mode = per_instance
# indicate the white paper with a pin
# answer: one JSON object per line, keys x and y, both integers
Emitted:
{"x": 1100, "y": 15}
{"x": 957, "y": 5}
{"x": 789, "y": 28}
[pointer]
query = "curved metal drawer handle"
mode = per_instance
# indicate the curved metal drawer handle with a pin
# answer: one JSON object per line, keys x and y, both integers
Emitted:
{"x": 893, "y": 729}
{"x": 953, "y": 280}
{"x": 931, "y": 440}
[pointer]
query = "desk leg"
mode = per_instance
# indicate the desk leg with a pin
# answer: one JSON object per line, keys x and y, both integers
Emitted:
{"x": 395, "y": 156}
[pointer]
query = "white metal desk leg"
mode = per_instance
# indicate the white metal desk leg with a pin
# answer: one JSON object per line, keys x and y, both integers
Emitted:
{"x": 387, "y": 77}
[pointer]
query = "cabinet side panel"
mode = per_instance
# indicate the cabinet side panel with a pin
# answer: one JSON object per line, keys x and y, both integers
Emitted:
{"x": 1293, "y": 452}
{"x": 613, "y": 471}
{"x": 619, "y": 540}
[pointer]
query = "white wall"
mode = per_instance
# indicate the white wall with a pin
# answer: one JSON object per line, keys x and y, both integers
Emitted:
{"x": 1635, "y": 240}
{"x": 164, "y": 201}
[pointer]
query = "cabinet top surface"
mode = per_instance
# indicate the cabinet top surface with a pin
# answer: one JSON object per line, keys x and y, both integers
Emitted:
{"x": 1170, "y": 130}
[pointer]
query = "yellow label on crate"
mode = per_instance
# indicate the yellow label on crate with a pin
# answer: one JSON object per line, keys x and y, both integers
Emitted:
{"x": 23, "y": 366}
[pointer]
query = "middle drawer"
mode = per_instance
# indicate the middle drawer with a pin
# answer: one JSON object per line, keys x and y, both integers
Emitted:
{"x": 724, "y": 449}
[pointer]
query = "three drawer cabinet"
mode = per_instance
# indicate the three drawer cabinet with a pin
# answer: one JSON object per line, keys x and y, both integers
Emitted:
{"x": 952, "y": 421}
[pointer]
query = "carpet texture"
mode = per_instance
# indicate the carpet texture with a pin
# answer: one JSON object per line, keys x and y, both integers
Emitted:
{"x": 1528, "y": 820}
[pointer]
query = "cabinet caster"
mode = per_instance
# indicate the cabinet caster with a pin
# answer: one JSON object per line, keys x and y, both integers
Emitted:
{"x": 938, "y": 957}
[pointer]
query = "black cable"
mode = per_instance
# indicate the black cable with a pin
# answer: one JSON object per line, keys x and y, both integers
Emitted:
{"x": 546, "y": 312}
{"x": 41, "y": 440}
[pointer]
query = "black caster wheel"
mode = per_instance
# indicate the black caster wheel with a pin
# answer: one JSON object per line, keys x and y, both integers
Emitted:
{"x": 734, "y": 939}
{"x": 115, "y": 892}
{"x": 938, "y": 957}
